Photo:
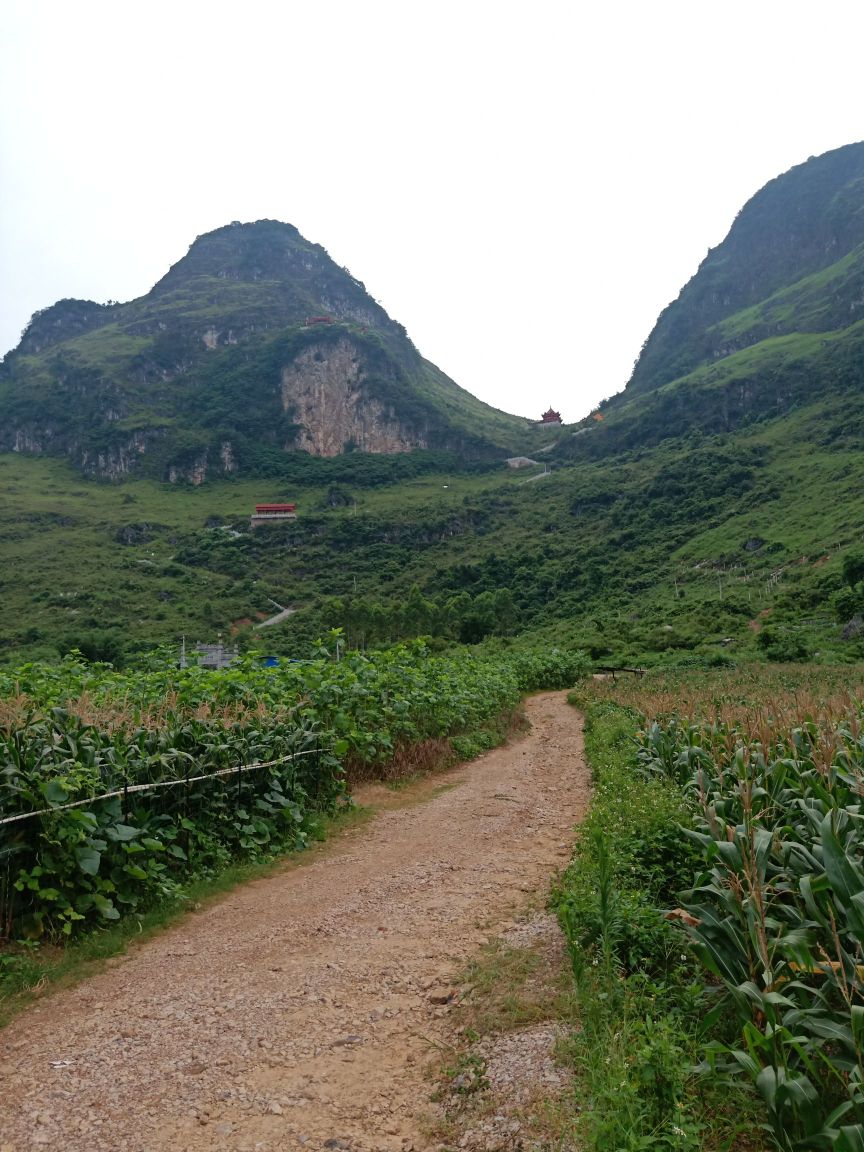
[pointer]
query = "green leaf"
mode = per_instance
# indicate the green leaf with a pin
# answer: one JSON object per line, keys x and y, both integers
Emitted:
{"x": 105, "y": 907}
{"x": 122, "y": 832}
{"x": 766, "y": 1082}
{"x": 730, "y": 854}
{"x": 851, "y": 1139}
{"x": 88, "y": 859}
{"x": 857, "y": 1019}
{"x": 54, "y": 792}
{"x": 846, "y": 881}
{"x": 829, "y": 1029}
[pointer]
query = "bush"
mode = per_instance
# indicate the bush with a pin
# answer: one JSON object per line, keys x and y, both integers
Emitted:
{"x": 784, "y": 648}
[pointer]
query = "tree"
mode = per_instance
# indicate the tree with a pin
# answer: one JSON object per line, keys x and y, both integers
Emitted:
{"x": 417, "y": 613}
{"x": 853, "y": 568}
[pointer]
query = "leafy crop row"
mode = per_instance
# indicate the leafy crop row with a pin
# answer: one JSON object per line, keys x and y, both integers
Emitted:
{"x": 777, "y": 910}
{"x": 731, "y": 803}
{"x": 73, "y": 733}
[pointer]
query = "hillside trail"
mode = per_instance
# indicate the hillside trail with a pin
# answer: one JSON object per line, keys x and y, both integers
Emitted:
{"x": 302, "y": 1010}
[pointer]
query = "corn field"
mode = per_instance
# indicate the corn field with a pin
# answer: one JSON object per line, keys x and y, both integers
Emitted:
{"x": 774, "y": 779}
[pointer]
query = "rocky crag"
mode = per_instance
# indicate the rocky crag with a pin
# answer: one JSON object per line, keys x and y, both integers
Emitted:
{"x": 773, "y": 320}
{"x": 254, "y": 345}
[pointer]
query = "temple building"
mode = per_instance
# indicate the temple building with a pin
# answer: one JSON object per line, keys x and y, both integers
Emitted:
{"x": 272, "y": 514}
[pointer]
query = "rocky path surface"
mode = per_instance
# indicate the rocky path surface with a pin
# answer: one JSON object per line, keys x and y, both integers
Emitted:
{"x": 300, "y": 1011}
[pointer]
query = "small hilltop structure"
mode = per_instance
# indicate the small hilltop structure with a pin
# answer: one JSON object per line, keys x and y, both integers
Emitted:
{"x": 550, "y": 417}
{"x": 272, "y": 514}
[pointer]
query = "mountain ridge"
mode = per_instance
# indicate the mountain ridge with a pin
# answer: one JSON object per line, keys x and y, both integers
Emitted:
{"x": 795, "y": 229}
{"x": 254, "y": 344}
{"x": 772, "y": 320}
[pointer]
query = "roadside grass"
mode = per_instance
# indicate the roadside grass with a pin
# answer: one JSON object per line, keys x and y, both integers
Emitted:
{"x": 513, "y": 988}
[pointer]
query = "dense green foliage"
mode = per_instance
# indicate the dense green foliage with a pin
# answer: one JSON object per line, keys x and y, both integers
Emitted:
{"x": 777, "y": 910}
{"x": 716, "y": 549}
{"x": 763, "y": 772}
{"x": 90, "y": 750}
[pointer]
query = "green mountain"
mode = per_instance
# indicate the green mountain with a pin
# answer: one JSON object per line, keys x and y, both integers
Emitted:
{"x": 772, "y": 320}
{"x": 713, "y": 511}
{"x": 253, "y": 347}
{"x": 793, "y": 263}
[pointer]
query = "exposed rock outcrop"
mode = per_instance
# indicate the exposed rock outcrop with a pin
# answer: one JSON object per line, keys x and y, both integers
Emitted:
{"x": 323, "y": 390}
{"x": 226, "y": 455}
{"x": 194, "y": 473}
{"x": 118, "y": 461}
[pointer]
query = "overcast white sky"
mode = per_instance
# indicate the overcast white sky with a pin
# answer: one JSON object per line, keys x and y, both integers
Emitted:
{"x": 523, "y": 185}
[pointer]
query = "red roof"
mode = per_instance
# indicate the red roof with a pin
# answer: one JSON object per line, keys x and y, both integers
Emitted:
{"x": 275, "y": 507}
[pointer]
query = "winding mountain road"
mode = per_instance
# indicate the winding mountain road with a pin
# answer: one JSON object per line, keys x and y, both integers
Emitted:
{"x": 300, "y": 1010}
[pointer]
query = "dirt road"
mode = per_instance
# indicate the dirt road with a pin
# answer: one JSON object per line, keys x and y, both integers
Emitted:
{"x": 300, "y": 1010}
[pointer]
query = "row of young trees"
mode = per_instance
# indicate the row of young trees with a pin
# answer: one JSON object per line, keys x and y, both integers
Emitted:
{"x": 462, "y": 617}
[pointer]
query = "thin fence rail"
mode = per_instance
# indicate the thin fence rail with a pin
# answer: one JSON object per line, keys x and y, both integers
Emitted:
{"x": 128, "y": 789}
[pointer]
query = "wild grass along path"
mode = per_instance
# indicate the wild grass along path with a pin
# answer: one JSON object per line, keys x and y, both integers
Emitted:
{"x": 299, "y": 1011}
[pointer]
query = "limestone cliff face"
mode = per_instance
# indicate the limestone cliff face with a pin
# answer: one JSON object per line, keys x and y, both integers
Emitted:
{"x": 323, "y": 391}
{"x": 27, "y": 440}
{"x": 194, "y": 473}
{"x": 196, "y": 470}
{"x": 116, "y": 462}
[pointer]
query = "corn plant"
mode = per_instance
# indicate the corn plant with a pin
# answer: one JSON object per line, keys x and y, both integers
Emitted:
{"x": 777, "y": 912}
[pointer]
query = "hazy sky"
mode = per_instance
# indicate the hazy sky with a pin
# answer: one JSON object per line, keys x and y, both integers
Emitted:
{"x": 523, "y": 185}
